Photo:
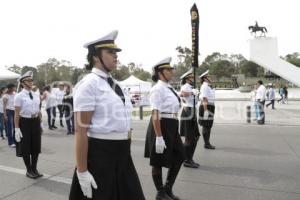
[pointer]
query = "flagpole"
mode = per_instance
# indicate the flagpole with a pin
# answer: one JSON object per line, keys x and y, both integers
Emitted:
{"x": 195, "y": 47}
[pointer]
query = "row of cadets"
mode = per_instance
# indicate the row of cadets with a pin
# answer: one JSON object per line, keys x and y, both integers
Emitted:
{"x": 105, "y": 169}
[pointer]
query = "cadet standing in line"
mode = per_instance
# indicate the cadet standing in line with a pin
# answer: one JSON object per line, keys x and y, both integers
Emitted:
{"x": 27, "y": 125}
{"x": 163, "y": 142}
{"x": 105, "y": 170}
{"x": 188, "y": 122}
{"x": 207, "y": 108}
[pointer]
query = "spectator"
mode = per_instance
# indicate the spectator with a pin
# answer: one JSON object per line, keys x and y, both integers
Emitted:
{"x": 9, "y": 112}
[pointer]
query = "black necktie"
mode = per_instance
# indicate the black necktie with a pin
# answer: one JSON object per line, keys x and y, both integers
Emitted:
{"x": 30, "y": 95}
{"x": 176, "y": 95}
{"x": 116, "y": 88}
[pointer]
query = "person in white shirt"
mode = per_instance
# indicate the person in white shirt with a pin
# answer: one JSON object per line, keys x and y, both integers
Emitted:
{"x": 271, "y": 96}
{"x": 59, "y": 97}
{"x": 9, "y": 112}
{"x": 27, "y": 125}
{"x": 260, "y": 101}
{"x": 50, "y": 106}
{"x": 188, "y": 120}
{"x": 207, "y": 108}
{"x": 104, "y": 169}
{"x": 2, "y": 125}
{"x": 163, "y": 143}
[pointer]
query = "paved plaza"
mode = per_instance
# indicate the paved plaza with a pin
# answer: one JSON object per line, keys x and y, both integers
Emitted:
{"x": 251, "y": 162}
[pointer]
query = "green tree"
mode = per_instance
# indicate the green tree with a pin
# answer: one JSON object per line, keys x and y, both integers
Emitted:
{"x": 293, "y": 58}
{"x": 251, "y": 69}
{"x": 222, "y": 68}
{"x": 15, "y": 68}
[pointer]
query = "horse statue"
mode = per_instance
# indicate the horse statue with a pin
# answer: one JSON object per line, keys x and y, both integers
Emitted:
{"x": 257, "y": 28}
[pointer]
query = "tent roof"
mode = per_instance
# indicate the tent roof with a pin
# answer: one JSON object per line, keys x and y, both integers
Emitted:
{"x": 132, "y": 80}
{"x": 6, "y": 74}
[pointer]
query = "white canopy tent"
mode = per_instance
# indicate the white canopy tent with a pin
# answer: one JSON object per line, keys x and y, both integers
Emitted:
{"x": 134, "y": 86}
{"x": 7, "y": 75}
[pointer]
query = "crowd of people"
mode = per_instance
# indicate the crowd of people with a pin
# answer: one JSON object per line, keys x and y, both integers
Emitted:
{"x": 261, "y": 95}
{"x": 60, "y": 100}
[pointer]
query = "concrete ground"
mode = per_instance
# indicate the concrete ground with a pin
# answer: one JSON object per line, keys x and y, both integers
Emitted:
{"x": 251, "y": 162}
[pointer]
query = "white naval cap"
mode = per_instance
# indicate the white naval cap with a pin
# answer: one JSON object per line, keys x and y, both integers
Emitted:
{"x": 106, "y": 42}
{"x": 187, "y": 73}
{"x": 25, "y": 75}
{"x": 204, "y": 74}
{"x": 165, "y": 63}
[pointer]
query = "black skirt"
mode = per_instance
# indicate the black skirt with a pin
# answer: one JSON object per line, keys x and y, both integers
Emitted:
{"x": 174, "y": 152}
{"x": 210, "y": 121}
{"x": 188, "y": 124}
{"x": 110, "y": 163}
{"x": 31, "y": 141}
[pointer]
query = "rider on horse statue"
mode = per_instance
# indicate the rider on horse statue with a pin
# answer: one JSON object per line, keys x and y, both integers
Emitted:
{"x": 257, "y": 28}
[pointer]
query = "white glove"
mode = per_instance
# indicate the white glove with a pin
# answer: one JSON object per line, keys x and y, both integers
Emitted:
{"x": 18, "y": 134}
{"x": 195, "y": 92}
{"x": 205, "y": 115}
{"x": 86, "y": 181}
{"x": 160, "y": 145}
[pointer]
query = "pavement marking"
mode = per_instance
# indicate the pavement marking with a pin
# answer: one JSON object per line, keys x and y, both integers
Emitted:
{"x": 46, "y": 176}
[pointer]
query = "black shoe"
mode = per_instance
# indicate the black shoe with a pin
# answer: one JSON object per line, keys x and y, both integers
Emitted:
{"x": 54, "y": 127}
{"x": 197, "y": 164}
{"x": 51, "y": 128}
{"x": 169, "y": 192}
{"x": 37, "y": 173}
{"x": 209, "y": 146}
{"x": 69, "y": 133}
{"x": 162, "y": 195}
{"x": 61, "y": 125}
{"x": 32, "y": 175}
{"x": 190, "y": 164}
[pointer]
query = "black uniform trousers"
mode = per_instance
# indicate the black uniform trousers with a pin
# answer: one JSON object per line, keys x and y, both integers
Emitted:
{"x": 110, "y": 163}
{"x": 30, "y": 143}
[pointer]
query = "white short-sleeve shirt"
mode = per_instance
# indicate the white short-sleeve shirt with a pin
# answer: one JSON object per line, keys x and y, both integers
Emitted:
{"x": 93, "y": 93}
{"x": 28, "y": 106}
{"x": 10, "y": 101}
{"x": 60, "y": 96}
{"x": 189, "y": 100}
{"x": 207, "y": 92}
{"x": 163, "y": 99}
{"x": 261, "y": 93}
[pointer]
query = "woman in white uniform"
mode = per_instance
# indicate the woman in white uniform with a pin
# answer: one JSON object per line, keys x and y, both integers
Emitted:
{"x": 163, "y": 143}
{"x": 188, "y": 120}
{"x": 207, "y": 108}
{"x": 104, "y": 170}
{"x": 27, "y": 125}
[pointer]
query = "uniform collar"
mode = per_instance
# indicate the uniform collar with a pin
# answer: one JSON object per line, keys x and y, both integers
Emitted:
{"x": 26, "y": 91}
{"x": 205, "y": 83}
{"x": 99, "y": 72}
{"x": 164, "y": 83}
